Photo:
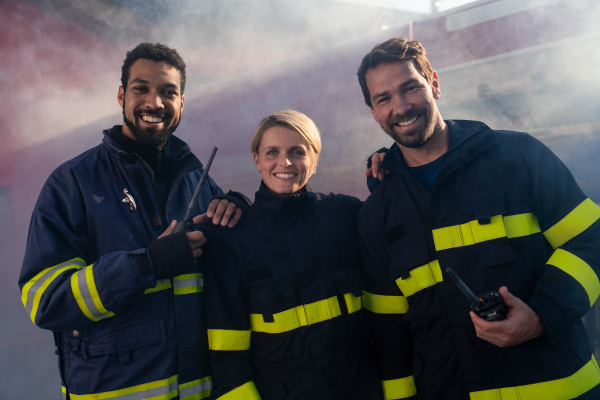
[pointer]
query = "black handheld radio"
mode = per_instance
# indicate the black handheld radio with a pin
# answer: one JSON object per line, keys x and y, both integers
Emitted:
{"x": 186, "y": 224}
{"x": 488, "y": 305}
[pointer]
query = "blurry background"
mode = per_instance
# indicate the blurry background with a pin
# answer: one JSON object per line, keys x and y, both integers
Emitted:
{"x": 527, "y": 65}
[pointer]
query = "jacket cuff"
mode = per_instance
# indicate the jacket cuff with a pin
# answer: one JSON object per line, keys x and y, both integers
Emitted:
{"x": 555, "y": 322}
{"x": 171, "y": 256}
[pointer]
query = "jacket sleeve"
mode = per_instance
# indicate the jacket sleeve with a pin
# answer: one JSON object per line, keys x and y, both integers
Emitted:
{"x": 228, "y": 322}
{"x": 385, "y": 306}
{"x": 61, "y": 287}
{"x": 570, "y": 222}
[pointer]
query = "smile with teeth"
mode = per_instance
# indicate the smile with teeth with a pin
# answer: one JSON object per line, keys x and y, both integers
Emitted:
{"x": 151, "y": 118}
{"x": 407, "y": 122}
{"x": 285, "y": 175}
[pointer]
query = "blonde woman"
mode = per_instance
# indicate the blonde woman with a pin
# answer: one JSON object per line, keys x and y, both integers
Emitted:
{"x": 283, "y": 288}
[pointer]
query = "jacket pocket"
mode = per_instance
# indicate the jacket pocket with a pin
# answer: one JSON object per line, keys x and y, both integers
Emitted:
{"x": 484, "y": 236}
{"x": 121, "y": 339}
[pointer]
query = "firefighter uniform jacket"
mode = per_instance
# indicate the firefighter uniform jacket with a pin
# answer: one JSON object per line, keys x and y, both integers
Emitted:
{"x": 503, "y": 210}
{"x": 120, "y": 334}
{"x": 284, "y": 289}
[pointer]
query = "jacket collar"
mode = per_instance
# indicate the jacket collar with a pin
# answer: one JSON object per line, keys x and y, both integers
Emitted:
{"x": 272, "y": 202}
{"x": 467, "y": 140}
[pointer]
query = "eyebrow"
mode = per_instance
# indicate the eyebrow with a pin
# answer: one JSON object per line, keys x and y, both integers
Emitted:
{"x": 140, "y": 80}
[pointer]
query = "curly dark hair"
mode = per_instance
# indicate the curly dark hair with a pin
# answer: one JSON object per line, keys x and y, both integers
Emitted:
{"x": 393, "y": 50}
{"x": 154, "y": 52}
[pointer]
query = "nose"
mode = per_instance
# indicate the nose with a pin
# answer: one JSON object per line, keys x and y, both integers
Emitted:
{"x": 284, "y": 161}
{"x": 401, "y": 105}
{"x": 153, "y": 100}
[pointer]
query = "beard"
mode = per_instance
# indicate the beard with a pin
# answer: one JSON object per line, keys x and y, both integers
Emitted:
{"x": 415, "y": 138}
{"x": 151, "y": 137}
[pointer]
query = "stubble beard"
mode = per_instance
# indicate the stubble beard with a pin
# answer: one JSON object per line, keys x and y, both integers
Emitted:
{"x": 151, "y": 137}
{"x": 412, "y": 139}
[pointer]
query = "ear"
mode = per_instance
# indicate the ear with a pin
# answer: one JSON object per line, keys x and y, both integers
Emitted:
{"x": 256, "y": 162}
{"x": 435, "y": 86}
{"x": 121, "y": 96}
{"x": 182, "y": 99}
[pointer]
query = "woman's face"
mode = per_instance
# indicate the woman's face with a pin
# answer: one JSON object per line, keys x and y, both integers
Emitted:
{"x": 283, "y": 160}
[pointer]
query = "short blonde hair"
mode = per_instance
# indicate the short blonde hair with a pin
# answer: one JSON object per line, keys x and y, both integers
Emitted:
{"x": 297, "y": 122}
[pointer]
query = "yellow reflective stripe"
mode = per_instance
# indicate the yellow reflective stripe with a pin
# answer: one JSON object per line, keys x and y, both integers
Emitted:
{"x": 164, "y": 389}
{"x": 566, "y": 388}
{"x": 381, "y": 304}
{"x": 521, "y": 225}
{"x": 162, "y": 284}
{"x": 228, "y": 340}
{"x": 420, "y": 278}
{"x": 579, "y": 270}
{"x": 575, "y": 222}
{"x": 303, "y": 315}
{"x": 34, "y": 289}
{"x": 399, "y": 388}
{"x": 472, "y": 232}
{"x": 247, "y": 392}
{"x": 188, "y": 283}
{"x": 87, "y": 296}
{"x": 64, "y": 392}
{"x": 195, "y": 390}
{"x": 468, "y": 234}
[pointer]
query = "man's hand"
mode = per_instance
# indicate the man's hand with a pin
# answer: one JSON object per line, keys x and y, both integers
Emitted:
{"x": 196, "y": 238}
{"x": 221, "y": 211}
{"x": 521, "y": 323}
{"x": 374, "y": 171}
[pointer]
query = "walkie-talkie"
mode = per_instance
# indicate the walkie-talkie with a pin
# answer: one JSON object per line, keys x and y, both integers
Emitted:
{"x": 186, "y": 224}
{"x": 488, "y": 305}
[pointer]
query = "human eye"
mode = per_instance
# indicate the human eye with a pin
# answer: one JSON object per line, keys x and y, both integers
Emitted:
{"x": 139, "y": 89}
{"x": 271, "y": 153}
{"x": 298, "y": 153}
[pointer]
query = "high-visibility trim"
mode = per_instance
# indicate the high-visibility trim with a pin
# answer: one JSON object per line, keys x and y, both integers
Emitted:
{"x": 420, "y": 278}
{"x": 161, "y": 284}
{"x": 303, "y": 315}
{"x": 247, "y": 391}
{"x": 566, "y": 388}
{"x": 521, "y": 225}
{"x": 34, "y": 289}
{"x": 64, "y": 392}
{"x": 228, "y": 340}
{"x": 87, "y": 296}
{"x": 164, "y": 389}
{"x": 195, "y": 390}
{"x": 575, "y": 222}
{"x": 188, "y": 283}
{"x": 380, "y": 304}
{"x": 399, "y": 388}
{"x": 579, "y": 270}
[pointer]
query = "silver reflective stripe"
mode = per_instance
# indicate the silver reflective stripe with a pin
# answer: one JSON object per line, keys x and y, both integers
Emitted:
{"x": 86, "y": 294}
{"x": 195, "y": 389}
{"x": 42, "y": 280}
{"x": 137, "y": 395}
{"x": 189, "y": 282}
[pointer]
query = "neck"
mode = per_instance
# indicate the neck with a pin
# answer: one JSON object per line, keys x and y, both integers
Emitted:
{"x": 430, "y": 151}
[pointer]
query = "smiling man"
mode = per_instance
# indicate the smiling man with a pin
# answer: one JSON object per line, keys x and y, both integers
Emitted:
{"x": 103, "y": 269}
{"x": 505, "y": 214}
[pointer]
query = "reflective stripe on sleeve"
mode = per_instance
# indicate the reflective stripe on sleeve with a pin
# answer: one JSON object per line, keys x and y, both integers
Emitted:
{"x": 380, "y": 304}
{"x": 195, "y": 390}
{"x": 579, "y": 270}
{"x": 420, "y": 278}
{"x": 34, "y": 289}
{"x": 228, "y": 340}
{"x": 247, "y": 392}
{"x": 303, "y": 315}
{"x": 566, "y": 388}
{"x": 188, "y": 283}
{"x": 472, "y": 232}
{"x": 399, "y": 388}
{"x": 575, "y": 222}
{"x": 164, "y": 389}
{"x": 86, "y": 294}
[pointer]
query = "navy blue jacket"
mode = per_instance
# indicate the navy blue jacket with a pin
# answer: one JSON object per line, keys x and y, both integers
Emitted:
{"x": 116, "y": 327}
{"x": 503, "y": 210}
{"x": 284, "y": 288}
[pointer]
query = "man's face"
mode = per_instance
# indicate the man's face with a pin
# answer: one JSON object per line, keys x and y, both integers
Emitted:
{"x": 404, "y": 103}
{"x": 152, "y": 103}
